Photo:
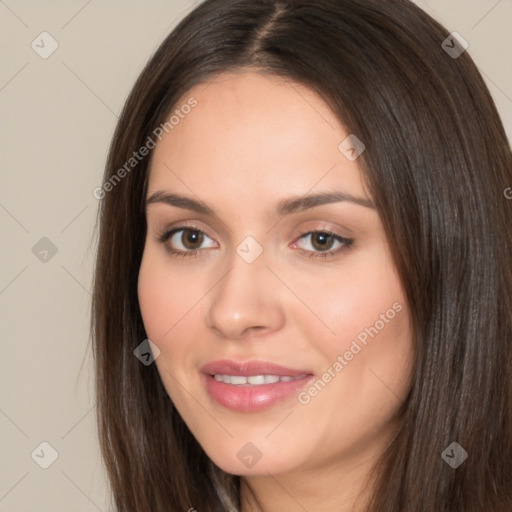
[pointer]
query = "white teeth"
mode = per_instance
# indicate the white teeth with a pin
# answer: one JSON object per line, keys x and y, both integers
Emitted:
{"x": 254, "y": 380}
{"x": 236, "y": 380}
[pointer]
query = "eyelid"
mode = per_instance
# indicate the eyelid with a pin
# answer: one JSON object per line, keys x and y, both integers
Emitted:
{"x": 191, "y": 225}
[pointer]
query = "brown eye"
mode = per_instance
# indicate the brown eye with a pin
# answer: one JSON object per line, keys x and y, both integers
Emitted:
{"x": 322, "y": 241}
{"x": 186, "y": 241}
{"x": 192, "y": 240}
{"x": 323, "y": 244}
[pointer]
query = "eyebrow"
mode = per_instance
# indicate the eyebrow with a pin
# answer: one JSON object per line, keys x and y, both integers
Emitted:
{"x": 283, "y": 207}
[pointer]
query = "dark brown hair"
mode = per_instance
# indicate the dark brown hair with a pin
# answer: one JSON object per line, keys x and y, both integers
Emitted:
{"x": 437, "y": 162}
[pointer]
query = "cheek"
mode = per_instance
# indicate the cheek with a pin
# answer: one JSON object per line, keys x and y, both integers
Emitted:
{"x": 367, "y": 366}
{"x": 376, "y": 360}
{"x": 351, "y": 299}
{"x": 370, "y": 353}
{"x": 154, "y": 301}
{"x": 167, "y": 309}
{"x": 165, "y": 295}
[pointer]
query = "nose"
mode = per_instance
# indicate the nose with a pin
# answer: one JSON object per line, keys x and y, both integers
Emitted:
{"x": 245, "y": 303}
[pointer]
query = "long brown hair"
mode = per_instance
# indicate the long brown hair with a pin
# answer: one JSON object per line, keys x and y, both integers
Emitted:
{"x": 437, "y": 162}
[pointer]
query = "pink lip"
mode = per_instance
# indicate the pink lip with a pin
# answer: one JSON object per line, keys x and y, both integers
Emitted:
{"x": 228, "y": 367}
{"x": 247, "y": 398}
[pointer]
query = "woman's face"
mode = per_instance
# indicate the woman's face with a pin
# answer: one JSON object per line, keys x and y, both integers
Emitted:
{"x": 250, "y": 282}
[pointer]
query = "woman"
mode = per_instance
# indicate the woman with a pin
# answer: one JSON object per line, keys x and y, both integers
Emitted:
{"x": 303, "y": 210}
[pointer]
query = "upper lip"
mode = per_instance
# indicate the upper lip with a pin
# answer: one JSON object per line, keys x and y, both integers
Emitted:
{"x": 249, "y": 368}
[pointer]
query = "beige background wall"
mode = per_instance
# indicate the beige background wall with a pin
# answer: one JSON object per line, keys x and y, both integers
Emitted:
{"x": 57, "y": 116}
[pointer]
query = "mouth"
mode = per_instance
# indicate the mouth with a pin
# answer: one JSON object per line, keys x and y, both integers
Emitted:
{"x": 254, "y": 380}
{"x": 251, "y": 386}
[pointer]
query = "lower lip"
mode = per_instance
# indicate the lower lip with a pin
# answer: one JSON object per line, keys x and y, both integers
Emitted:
{"x": 247, "y": 398}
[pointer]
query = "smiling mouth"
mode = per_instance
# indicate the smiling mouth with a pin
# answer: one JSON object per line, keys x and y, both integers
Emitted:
{"x": 255, "y": 380}
{"x": 251, "y": 386}
{"x": 253, "y": 393}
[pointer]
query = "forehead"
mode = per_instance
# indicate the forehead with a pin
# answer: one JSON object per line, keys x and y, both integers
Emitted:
{"x": 262, "y": 134}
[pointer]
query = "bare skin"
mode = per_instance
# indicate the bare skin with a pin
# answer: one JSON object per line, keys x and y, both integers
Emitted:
{"x": 250, "y": 142}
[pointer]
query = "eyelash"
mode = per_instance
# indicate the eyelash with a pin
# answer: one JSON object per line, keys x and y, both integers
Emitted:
{"x": 347, "y": 243}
